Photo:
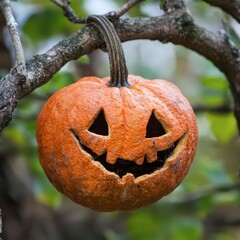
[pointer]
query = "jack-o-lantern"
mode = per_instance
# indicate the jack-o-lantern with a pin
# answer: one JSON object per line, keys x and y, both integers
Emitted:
{"x": 116, "y": 145}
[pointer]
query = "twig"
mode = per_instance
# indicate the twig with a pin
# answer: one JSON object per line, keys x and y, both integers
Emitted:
{"x": 68, "y": 11}
{"x": 12, "y": 26}
{"x": 72, "y": 17}
{"x": 125, "y": 8}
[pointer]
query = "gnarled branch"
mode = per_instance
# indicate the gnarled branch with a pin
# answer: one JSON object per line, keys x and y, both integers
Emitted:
{"x": 176, "y": 26}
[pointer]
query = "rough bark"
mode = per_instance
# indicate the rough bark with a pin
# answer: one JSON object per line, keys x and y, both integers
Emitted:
{"x": 176, "y": 26}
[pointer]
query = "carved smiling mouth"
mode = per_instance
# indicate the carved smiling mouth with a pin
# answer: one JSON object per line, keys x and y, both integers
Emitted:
{"x": 122, "y": 166}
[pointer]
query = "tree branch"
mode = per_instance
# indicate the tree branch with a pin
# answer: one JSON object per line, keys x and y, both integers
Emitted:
{"x": 72, "y": 17}
{"x": 125, "y": 8}
{"x": 231, "y": 7}
{"x": 176, "y": 26}
{"x": 68, "y": 11}
{"x": 12, "y": 26}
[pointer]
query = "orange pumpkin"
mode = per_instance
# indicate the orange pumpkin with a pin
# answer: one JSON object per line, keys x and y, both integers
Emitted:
{"x": 116, "y": 148}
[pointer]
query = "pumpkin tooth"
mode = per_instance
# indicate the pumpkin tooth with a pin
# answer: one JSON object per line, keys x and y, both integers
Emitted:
{"x": 128, "y": 178}
{"x": 151, "y": 160}
{"x": 139, "y": 161}
{"x": 112, "y": 159}
{"x": 152, "y": 156}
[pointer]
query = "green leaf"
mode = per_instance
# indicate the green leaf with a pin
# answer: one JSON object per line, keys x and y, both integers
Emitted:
{"x": 144, "y": 225}
{"x": 46, "y": 24}
{"x": 43, "y": 24}
{"x": 223, "y": 126}
{"x": 46, "y": 193}
{"x": 111, "y": 235}
{"x": 215, "y": 90}
{"x": 163, "y": 222}
{"x": 216, "y": 82}
{"x": 186, "y": 228}
{"x": 35, "y": 166}
{"x": 84, "y": 59}
{"x": 15, "y": 135}
{"x": 59, "y": 80}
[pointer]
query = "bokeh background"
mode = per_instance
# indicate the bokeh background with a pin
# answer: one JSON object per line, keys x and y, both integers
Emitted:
{"x": 206, "y": 204}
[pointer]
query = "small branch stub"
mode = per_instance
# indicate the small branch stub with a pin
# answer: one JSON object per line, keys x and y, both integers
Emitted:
{"x": 118, "y": 68}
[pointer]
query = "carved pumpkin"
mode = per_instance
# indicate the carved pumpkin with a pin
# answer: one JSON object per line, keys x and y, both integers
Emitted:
{"x": 116, "y": 148}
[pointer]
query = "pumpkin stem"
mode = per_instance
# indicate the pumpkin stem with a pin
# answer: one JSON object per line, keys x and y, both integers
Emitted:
{"x": 118, "y": 68}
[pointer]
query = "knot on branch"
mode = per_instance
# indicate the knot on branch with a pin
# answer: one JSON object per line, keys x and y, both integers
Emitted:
{"x": 185, "y": 24}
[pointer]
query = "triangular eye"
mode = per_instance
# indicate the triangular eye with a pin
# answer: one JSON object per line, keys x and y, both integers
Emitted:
{"x": 99, "y": 125}
{"x": 154, "y": 127}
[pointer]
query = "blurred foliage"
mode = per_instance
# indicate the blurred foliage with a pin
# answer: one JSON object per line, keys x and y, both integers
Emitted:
{"x": 174, "y": 225}
{"x": 181, "y": 215}
{"x": 223, "y": 126}
{"x": 215, "y": 90}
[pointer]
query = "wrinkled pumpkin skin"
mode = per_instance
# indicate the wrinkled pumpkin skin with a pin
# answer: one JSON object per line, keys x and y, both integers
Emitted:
{"x": 127, "y": 110}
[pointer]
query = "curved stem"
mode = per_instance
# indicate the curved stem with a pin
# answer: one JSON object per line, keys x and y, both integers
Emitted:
{"x": 118, "y": 68}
